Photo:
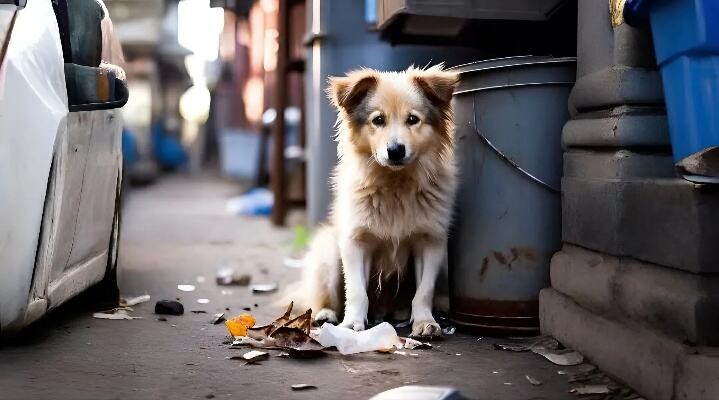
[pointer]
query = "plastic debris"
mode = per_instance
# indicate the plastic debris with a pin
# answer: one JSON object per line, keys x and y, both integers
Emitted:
{"x": 186, "y": 288}
{"x": 264, "y": 287}
{"x": 203, "y": 301}
{"x": 561, "y": 357}
{"x": 114, "y": 314}
{"x": 254, "y": 356}
{"x": 218, "y": 318}
{"x": 534, "y": 381}
{"x": 229, "y": 276}
{"x": 303, "y": 386}
{"x": 590, "y": 389}
{"x": 257, "y": 201}
{"x": 169, "y": 307}
{"x": 511, "y": 347}
{"x": 132, "y": 301}
{"x": 200, "y": 279}
{"x": 297, "y": 263}
{"x": 238, "y": 325}
{"x": 449, "y": 330}
{"x": 419, "y": 393}
{"x": 348, "y": 341}
{"x": 411, "y": 344}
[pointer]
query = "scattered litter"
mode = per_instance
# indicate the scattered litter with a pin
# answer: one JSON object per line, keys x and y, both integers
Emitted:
{"x": 264, "y": 287}
{"x": 284, "y": 355}
{"x": 200, "y": 279}
{"x": 225, "y": 292}
{"x": 218, "y": 318}
{"x": 169, "y": 307}
{"x": 238, "y": 325}
{"x": 590, "y": 389}
{"x": 163, "y": 319}
{"x": 508, "y": 383}
{"x": 303, "y": 386}
{"x": 348, "y": 341}
{"x": 199, "y": 312}
{"x": 411, "y": 344}
{"x": 534, "y": 381}
{"x": 402, "y": 353}
{"x": 414, "y": 354}
{"x": 186, "y": 288}
{"x": 131, "y": 301}
{"x": 247, "y": 308}
{"x": 458, "y": 354}
{"x": 203, "y": 301}
{"x": 229, "y": 276}
{"x": 254, "y": 356}
{"x": 114, "y": 314}
{"x": 511, "y": 347}
{"x": 294, "y": 262}
{"x": 403, "y": 324}
{"x": 191, "y": 363}
{"x": 449, "y": 330}
{"x": 256, "y": 201}
{"x": 495, "y": 372}
{"x": 561, "y": 357}
{"x": 301, "y": 239}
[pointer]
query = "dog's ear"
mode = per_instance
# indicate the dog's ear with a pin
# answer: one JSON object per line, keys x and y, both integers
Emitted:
{"x": 437, "y": 85}
{"x": 347, "y": 92}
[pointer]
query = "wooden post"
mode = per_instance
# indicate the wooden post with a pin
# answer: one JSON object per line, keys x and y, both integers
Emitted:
{"x": 279, "y": 189}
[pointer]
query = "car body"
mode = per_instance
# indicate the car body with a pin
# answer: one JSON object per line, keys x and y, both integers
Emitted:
{"x": 60, "y": 155}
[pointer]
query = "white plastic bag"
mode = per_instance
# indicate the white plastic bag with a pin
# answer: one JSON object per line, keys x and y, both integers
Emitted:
{"x": 348, "y": 341}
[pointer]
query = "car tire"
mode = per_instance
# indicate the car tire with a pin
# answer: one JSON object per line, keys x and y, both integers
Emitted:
{"x": 106, "y": 293}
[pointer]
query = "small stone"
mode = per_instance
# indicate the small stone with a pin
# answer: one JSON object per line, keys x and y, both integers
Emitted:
{"x": 169, "y": 307}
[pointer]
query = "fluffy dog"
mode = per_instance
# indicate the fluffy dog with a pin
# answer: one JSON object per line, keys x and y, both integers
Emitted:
{"x": 393, "y": 186}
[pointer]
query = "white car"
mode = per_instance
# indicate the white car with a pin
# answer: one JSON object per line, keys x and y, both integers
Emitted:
{"x": 60, "y": 155}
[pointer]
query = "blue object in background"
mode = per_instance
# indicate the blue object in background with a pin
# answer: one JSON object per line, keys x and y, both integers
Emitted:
{"x": 686, "y": 42}
{"x": 129, "y": 148}
{"x": 167, "y": 149}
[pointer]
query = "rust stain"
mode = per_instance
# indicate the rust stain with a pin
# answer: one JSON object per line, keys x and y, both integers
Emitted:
{"x": 483, "y": 270}
{"x": 527, "y": 253}
{"x": 499, "y": 257}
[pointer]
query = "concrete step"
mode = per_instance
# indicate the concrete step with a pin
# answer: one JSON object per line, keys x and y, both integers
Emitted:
{"x": 623, "y": 126}
{"x": 682, "y": 305}
{"x": 654, "y": 365}
{"x": 614, "y": 163}
{"x": 669, "y": 222}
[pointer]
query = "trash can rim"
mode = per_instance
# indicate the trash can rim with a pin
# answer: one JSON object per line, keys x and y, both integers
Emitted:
{"x": 461, "y": 69}
{"x": 516, "y": 85}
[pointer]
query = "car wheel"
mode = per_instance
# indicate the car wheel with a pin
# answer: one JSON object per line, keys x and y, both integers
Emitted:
{"x": 106, "y": 293}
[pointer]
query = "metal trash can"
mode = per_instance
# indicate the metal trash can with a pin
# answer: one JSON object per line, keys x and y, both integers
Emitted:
{"x": 509, "y": 117}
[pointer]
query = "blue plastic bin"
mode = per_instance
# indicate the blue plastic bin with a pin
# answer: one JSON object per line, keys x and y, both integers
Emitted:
{"x": 686, "y": 42}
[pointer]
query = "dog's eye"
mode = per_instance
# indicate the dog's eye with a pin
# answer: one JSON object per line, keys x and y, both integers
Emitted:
{"x": 412, "y": 119}
{"x": 378, "y": 120}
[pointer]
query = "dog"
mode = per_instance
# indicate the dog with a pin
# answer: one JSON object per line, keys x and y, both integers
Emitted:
{"x": 394, "y": 187}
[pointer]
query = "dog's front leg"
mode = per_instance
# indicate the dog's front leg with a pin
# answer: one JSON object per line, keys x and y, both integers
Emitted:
{"x": 428, "y": 259}
{"x": 355, "y": 264}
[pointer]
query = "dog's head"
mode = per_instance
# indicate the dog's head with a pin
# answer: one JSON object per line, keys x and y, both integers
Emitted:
{"x": 395, "y": 117}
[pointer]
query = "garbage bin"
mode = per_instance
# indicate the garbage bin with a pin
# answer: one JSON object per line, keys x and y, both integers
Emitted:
{"x": 686, "y": 43}
{"x": 509, "y": 117}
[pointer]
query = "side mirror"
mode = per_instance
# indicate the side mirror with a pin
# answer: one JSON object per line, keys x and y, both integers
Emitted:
{"x": 92, "y": 88}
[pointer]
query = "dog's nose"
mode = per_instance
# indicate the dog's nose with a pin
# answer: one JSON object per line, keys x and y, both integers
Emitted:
{"x": 395, "y": 152}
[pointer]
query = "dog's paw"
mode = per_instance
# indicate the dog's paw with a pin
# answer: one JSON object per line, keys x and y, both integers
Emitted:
{"x": 426, "y": 329}
{"x": 326, "y": 315}
{"x": 354, "y": 325}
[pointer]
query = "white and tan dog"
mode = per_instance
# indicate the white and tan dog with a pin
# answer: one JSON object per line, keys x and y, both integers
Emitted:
{"x": 394, "y": 186}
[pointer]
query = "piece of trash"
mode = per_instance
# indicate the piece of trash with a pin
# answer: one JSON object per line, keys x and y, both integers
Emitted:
{"x": 229, "y": 276}
{"x": 296, "y": 342}
{"x": 198, "y": 312}
{"x": 301, "y": 239}
{"x": 256, "y": 201}
{"x": 349, "y": 341}
{"x": 508, "y": 383}
{"x": 264, "y": 287}
{"x": 237, "y": 326}
{"x": 411, "y": 344}
{"x": 218, "y": 318}
{"x": 203, "y": 301}
{"x": 458, "y": 354}
{"x": 169, "y": 307}
{"x": 403, "y": 324}
{"x": 414, "y": 354}
{"x": 225, "y": 292}
{"x": 186, "y": 288}
{"x": 534, "y": 381}
{"x": 254, "y": 356}
{"x": 303, "y": 386}
{"x": 419, "y": 393}
{"x": 560, "y": 357}
{"x": 590, "y": 389}
{"x": 247, "y": 308}
{"x": 284, "y": 355}
{"x": 294, "y": 262}
{"x": 402, "y": 353}
{"x": 163, "y": 319}
{"x": 114, "y": 314}
{"x": 131, "y": 301}
{"x": 449, "y": 330}
{"x": 511, "y": 347}
{"x": 200, "y": 279}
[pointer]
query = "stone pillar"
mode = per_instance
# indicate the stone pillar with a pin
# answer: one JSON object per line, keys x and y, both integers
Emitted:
{"x": 636, "y": 285}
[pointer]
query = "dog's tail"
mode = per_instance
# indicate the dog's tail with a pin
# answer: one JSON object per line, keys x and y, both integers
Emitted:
{"x": 319, "y": 286}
